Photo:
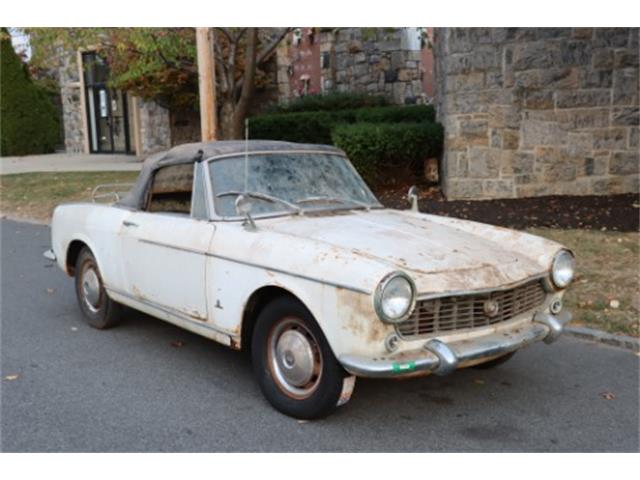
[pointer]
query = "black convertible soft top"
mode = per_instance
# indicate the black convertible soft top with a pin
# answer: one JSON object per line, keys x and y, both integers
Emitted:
{"x": 192, "y": 152}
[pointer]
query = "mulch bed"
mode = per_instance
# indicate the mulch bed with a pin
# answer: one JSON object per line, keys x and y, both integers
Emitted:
{"x": 619, "y": 213}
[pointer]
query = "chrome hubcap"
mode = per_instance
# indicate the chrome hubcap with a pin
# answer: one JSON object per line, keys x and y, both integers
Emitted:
{"x": 91, "y": 289}
{"x": 295, "y": 358}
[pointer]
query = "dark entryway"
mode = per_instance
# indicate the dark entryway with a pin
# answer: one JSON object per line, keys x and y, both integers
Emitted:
{"x": 107, "y": 114}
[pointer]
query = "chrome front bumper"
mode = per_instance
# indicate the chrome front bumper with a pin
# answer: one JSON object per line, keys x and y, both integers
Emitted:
{"x": 443, "y": 358}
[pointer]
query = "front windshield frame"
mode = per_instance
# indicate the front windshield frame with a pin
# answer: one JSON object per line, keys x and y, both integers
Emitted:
{"x": 240, "y": 157}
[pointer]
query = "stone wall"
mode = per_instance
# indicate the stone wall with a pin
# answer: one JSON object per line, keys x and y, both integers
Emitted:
{"x": 538, "y": 111}
{"x": 155, "y": 127}
{"x": 70, "y": 97}
{"x": 376, "y": 61}
{"x": 155, "y": 124}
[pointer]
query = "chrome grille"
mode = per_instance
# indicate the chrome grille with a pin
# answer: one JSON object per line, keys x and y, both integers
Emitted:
{"x": 461, "y": 312}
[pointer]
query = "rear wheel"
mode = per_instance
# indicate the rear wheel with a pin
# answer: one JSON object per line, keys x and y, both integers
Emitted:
{"x": 98, "y": 309}
{"x": 293, "y": 363}
{"x": 495, "y": 362}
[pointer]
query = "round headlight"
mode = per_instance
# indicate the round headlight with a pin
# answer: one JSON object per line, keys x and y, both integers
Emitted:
{"x": 395, "y": 297}
{"x": 563, "y": 268}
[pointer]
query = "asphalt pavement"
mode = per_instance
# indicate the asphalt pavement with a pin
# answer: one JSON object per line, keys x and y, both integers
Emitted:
{"x": 149, "y": 386}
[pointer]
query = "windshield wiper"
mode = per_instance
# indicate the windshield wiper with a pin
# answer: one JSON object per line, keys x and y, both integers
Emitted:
{"x": 326, "y": 198}
{"x": 262, "y": 196}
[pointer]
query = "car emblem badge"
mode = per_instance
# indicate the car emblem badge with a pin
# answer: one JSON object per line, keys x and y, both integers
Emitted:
{"x": 491, "y": 308}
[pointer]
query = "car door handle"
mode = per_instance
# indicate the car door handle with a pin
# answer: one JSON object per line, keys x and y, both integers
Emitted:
{"x": 127, "y": 223}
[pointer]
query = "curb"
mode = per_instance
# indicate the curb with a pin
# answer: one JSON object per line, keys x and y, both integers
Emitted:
{"x": 620, "y": 341}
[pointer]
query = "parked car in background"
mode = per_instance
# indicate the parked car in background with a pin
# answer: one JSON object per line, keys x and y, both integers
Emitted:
{"x": 282, "y": 249}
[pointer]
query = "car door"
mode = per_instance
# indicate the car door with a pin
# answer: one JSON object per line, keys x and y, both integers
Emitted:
{"x": 164, "y": 245}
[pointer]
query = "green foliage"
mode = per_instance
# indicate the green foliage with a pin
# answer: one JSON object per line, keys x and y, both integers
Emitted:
{"x": 303, "y": 127}
{"x": 152, "y": 63}
{"x": 394, "y": 114}
{"x": 316, "y": 126}
{"x": 375, "y": 148}
{"x": 29, "y": 119}
{"x": 330, "y": 102}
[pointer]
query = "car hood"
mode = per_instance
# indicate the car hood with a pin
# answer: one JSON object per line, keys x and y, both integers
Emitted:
{"x": 440, "y": 253}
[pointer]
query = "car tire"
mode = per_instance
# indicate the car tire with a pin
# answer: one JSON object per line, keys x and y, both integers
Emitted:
{"x": 293, "y": 363}
{"x": 495, "y": 362}
{"x": 99, "y": 310}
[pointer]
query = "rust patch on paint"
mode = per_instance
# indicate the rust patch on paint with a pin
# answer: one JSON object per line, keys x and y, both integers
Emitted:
{"x": 358, "y": 317}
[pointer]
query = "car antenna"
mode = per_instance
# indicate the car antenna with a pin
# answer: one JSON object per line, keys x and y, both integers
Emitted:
{"x": 246, "y": 155}
{"x": 242, "y": 203}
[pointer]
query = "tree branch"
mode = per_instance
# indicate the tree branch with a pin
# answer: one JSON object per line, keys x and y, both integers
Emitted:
{"x": 265, "y": 54}
{"x": 249, "y": 74}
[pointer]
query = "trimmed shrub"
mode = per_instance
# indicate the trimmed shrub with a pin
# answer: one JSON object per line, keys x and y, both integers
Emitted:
{"x": 303, "y": 127}
{"x": 29, "y": 118}
{"x": 331, "y": 102}
{"x": 397, "y": 114}
{"x": 316, "y": 127}
{"x": 375, "y": 148}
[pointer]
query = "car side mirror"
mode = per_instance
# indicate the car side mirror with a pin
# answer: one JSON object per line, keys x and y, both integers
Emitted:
{"x": 412, "y": 197}
{"x": 243, "y": 208}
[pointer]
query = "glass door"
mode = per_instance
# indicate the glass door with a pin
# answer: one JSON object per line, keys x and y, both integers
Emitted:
{"x": 106, "y": 109}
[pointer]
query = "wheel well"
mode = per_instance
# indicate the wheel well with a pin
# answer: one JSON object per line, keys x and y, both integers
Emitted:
{"x": 258, "y": 300}
{"x": 73, "y": 251}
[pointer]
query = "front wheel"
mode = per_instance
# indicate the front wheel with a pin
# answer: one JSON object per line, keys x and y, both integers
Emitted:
{"x": 293, "y": 363}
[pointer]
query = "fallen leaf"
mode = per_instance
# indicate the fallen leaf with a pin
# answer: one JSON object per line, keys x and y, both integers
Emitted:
{"x": 608, "y": 396}
{"x": 11, "y": 377}
{"x": 177, "y": 344}
{"x": 479, "y": 381}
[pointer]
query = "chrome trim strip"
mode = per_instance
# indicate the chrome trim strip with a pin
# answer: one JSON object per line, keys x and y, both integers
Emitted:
{"x": 256, "y": 265}
{"x": 170, "y": 311}
{"x": 274, "y": 152}
{"x": 458, "y": 293}
{"x": 296, "y": 275}
{"x": 173, "y": 247}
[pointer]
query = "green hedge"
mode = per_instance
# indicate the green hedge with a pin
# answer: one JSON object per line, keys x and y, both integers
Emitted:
{"x": 394, "y": 114}
{"x": 303, "y": 127}
{"x": 29, "y": 118}
{"x": 331, "y": 102}
{"x": 316, "y": 127}
{"x": 376, "y": 147}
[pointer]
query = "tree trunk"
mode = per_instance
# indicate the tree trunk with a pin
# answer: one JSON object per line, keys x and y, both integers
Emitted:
{"x": 235, "y": 101}
{"x": 226, "y": 120}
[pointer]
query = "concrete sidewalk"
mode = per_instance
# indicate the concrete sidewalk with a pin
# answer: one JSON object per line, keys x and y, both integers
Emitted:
{"x": 69, "y": 162}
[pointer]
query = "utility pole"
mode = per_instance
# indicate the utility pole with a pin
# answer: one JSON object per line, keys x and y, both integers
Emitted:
{"x": 206, "y": 82}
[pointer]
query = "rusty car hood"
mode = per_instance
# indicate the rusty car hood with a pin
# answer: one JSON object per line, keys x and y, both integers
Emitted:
{"x": 439, "y": 252}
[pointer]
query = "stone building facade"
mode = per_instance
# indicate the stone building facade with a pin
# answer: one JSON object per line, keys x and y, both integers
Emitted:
{"x": 538, "y": 111}
{"x": 383, "y": 61}
{"x": 148, "y": 124}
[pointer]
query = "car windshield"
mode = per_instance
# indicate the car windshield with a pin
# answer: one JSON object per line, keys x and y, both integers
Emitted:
{"x": 288, "y": 183}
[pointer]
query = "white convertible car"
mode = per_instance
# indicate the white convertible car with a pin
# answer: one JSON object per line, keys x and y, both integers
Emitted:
{"x": 281, "y": 248}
